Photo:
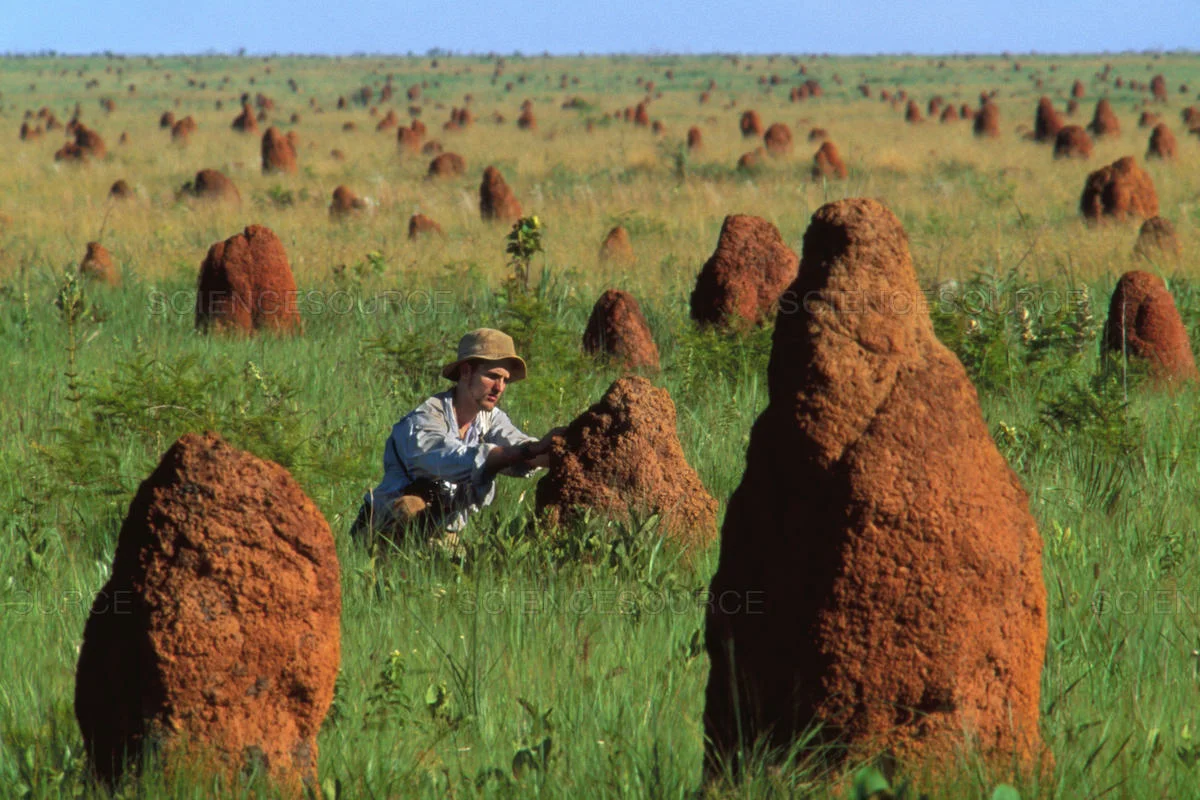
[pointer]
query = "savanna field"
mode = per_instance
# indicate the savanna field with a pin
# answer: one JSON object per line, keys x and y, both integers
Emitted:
{"x": 571, "y": 663}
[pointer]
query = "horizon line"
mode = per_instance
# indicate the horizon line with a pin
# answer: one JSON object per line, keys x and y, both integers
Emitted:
{"x": 518, "y": 54}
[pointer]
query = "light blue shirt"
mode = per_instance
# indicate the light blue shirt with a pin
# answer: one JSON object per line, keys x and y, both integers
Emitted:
{"x": 426, "y": 444}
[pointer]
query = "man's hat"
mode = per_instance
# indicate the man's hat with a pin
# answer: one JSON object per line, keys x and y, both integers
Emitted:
{"x": 486, "y": 344}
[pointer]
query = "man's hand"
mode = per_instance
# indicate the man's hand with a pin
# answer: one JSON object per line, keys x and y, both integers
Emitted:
{"x": 534, "y": 454}
{"x": 540, "y": 450}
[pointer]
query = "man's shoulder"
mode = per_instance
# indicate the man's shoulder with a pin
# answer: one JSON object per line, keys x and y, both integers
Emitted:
{"x": 434, "y": 407}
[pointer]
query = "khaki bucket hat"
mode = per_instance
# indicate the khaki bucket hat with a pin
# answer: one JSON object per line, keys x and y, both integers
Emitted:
{"x": 486, "y": 344}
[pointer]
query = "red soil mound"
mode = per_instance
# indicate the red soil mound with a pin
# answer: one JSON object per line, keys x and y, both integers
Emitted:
{"x": 1158, "y": 88}
{"x": 278, "y": 152}
{"x": 246, "y": 285}
{"x": 87, "y": 144}
{"x": 1157, "y": 239}
{"x": 1143, "y": 323}
{"x": 880, "y": 575}
{"x": 1072, "y": 142}
{"x": 616, "y": 247}
{"x": 217, "y": 636}
{"x": 183, "y": 129}
{"x": 987, "y": 121}
{"x": 618, "y": 329}
{"x": 420, "y": 225}
{"x": 210, "y": 184}
{"x": 389, "y": 122}
{"x": 1104, "y": 121}
{"x": 778, "y": 140}
{"x": 496, "y": 200}
{"x": 1120, "y": 190}
{"x": 246, "y": 122}
{"x": 622, "y": 457}
{"x": 828, "y": 164}
{"x": 447, "y": 165}
{"x": 345, "y": 202}
{"x": 742, "y": 281}
{"x": 408, "y": 139}
{"x": 751, "y": 161}
{"x": 1046, "y": 121}
{"x": 1162, "y": 143}
{"x": 750, "y": 125}
{"x": 97, "y": 265}
{"x": 641, "y": 116}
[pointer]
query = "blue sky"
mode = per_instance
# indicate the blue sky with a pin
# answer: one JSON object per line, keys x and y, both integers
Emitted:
{"x": 567, "y": 27}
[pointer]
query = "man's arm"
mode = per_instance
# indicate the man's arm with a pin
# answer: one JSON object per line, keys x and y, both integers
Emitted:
{"x": 428, "y": 450}
{"x": 530, "y": 453}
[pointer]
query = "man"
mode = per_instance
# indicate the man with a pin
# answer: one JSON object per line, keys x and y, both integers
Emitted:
{"x": 440, "y": 462}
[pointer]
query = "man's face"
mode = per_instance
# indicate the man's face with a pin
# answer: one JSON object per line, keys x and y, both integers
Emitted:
{"x": 485, "y": 383}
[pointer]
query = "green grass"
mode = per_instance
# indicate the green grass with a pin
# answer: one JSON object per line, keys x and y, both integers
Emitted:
{"x": 571, "y": 666}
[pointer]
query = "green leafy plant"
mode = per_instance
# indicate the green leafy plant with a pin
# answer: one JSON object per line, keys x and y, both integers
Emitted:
{"x": 388, "y": 699}
{"x": 523, "y": 242}
{"x": 72, "y": 305}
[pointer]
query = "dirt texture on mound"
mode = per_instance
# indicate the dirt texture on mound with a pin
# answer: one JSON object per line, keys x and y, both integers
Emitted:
{"x": 183, "y": 129}
{"x": 1104, "y": 120}
{"x": 496, "y": 200}
{"x": 742, "y": 281}
{"x": 750, "y": 125}
{"x": 618, "y": 329}
{"x": 622, "y": 457}
{"x": 420, "y": 225}
{"x": 1157, "y": 240}
{"x": 616, "y": 247}
{"x": 778, "y": 140}
{"x": 1162, "y": 143}
{"x": 345, "y": 202}
{"x": 827, "y": 163}
{"x": 246, "y": 285}
{"x": 446, "y": 165}
{"x": 408, "y": 139}
{"x": 217, "y": 636}
{"x": 210, "y": 184}
{"x": 1144, "y": 324}
{"x": 1046, "y": 121}
{"x": 246, "y": 122}
{"x": 87, "y": 144}
{"x": 278, "y": 152}
{"x": 1120, "y": 190}
{"x": 880, "y": 573}
{"x": 1072, "y": 142}
{"x": 97, "y": 265}
{"x": 987, "y": 121}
